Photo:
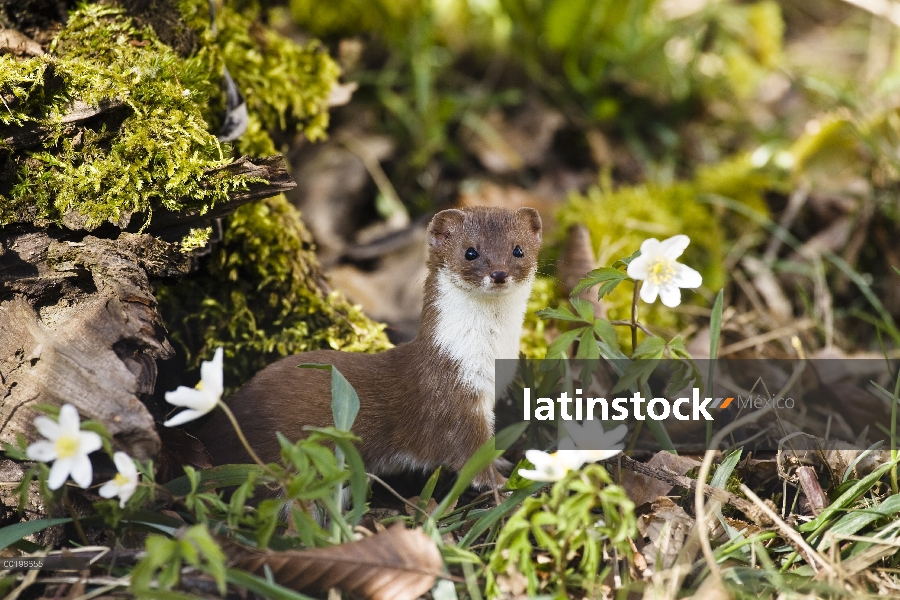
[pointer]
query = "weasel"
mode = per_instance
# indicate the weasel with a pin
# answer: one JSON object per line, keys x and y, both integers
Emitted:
{"x": 425, "y": 403}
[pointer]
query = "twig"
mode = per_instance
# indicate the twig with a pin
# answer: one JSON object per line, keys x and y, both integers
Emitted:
{"x": 812, "y": 557}
{"x": 637, "y": 324}
{"x": 397, "y": 494}
{"x": 767, "y": 337}
{"x": 724, "y": 496}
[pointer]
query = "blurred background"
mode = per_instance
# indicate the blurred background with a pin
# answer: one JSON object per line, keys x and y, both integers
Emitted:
{"x": 766, "y": 131}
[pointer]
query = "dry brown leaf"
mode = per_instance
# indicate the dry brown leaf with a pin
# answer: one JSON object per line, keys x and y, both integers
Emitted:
{"x": 666, "y": 529}
{"x": 399, "y": 564}
{"x": 18, "y": 43}
{"x": 643, "y": 488}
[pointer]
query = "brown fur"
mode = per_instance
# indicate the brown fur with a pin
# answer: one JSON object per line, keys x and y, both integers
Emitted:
{"x": 414, "y": 413}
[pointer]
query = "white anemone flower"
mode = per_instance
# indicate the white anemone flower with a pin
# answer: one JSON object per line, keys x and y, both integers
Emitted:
{"x": 67, "y": 446}
{"x": 201, "y": 399}
{"x": 125, "y": 481}
{"x": 661, "y": 274}
{"x": 592, "y": 441}
{"x": 551, "y": 467}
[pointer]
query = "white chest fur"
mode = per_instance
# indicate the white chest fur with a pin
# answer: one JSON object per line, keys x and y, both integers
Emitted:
{"x": 474, "y": 329}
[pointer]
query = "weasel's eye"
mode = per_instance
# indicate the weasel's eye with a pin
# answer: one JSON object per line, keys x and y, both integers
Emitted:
{"x": 518, "y": 253}
{"x": 471, "y": 254}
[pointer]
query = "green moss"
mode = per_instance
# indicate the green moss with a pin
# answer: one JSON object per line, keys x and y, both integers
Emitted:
{"x": 159, "y": 153}
{"x": 534, "y": 342}
{"x": 256, "y": 294}
{"x": 156, "y": 157}
{"x": 286, "y": 85}
{"x": 195, "y": 239}
{"x": 256, "y": 297}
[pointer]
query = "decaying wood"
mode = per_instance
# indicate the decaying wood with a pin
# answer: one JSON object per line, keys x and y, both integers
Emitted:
{"x": 750, "y": 510}
{"x": 271, "y": 169}
{"x": 79, "y": 322}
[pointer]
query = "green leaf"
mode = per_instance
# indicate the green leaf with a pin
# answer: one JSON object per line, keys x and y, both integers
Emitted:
{"x": 638, "y": 370}
{"x": 715, "y": 327}
{"x": 605, "y": 274}
{"x": 608, "y": 287}
{"x": 726, "y": 469}
{"x": 584, "y": 308}
{"x": 847, "y": 498}
{"x": 562, "y": 313}
{"x": 13, "y": 533}
{"x": 624, "y": 262}
{"x": 216, "y": 477}
{"x": 651, "y": 347}
{"x": 853, "y": 522}
{"x": 487, "y": 520}
{"x": 266, "y": 589}
{"x": 481, "y": 460}
{"x": 587, "y": 346}
{"x": 344, "y": 400}
{"x": 561, "y": 344}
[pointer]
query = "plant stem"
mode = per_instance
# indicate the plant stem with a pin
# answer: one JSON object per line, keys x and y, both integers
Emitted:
{"x": 634, "y": 321}
{"x": 240, "y": 434}
{"x": 894, "y": 433}
{"x": 74, "y": 516}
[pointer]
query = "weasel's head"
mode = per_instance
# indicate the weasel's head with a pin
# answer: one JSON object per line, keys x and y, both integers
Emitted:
{"x": 488, "y": 250}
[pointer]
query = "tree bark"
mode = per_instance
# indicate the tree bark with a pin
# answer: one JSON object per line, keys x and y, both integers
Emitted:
{"x": 79, "y": 322}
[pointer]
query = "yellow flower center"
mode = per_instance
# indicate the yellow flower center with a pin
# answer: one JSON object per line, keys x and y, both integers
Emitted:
{"x": 66, "y": 446}
{"x": 660, "y": 271}
{"x": 120, "y": 479}
{"x": 199, "y": 386}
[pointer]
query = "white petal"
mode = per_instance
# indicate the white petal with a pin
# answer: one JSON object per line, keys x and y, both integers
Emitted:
{"x": 183, "y": 417}
{"x": 686, "y": 277}
{"x": 615, "y": 436}
{"x": 109, "y": 489}
{"x": 637, "y": 269}
{"x": 47, "y": 427}
{"x": 649, "y": 292}
{"x": 211, "y": 374}
{"x": 538, "y": 457}
{"x": 185, "y": 396}
{"x": 88, "y": 442}
{"x": 674, "y": 246}
{"x": 82, "y": 471}
{"x": 41, "y": 450}
{"x": 69, "y": 423}
{"x": 650, "y": 248}
{"x": 597, "y": 455}
{"x": 569, "y": 460}
{"x": 670, "y": 295}
{"x": 536, "y": 475}
{"x": 125, "y": 464}
{"x": 125, "y": 493}
{"x": 59, "y": 472}
{"x": 567, "y": 444}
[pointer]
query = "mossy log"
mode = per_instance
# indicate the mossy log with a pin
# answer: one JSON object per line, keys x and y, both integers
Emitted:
{"x": 79, "y": 320}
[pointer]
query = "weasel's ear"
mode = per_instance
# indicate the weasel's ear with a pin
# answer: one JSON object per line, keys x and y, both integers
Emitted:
{"x": 443, "y": 226}
{"x": 531, "y": 220}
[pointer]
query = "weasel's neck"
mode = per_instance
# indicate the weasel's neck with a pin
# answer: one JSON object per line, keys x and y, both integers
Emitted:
{"x": 472, "y": 330}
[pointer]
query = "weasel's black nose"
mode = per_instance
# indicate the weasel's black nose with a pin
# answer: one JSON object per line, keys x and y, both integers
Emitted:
{"x": 499, "y": 276}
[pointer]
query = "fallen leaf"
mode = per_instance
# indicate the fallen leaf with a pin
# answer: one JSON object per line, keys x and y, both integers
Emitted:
{"x": 399, "y": 564}
{"x": 18, "y": 43}
{"x": 665, "y": 528}
{"x": 643, "y": 488}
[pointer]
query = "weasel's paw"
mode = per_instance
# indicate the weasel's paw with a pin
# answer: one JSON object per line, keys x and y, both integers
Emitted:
{"x": 492, "y": 477}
